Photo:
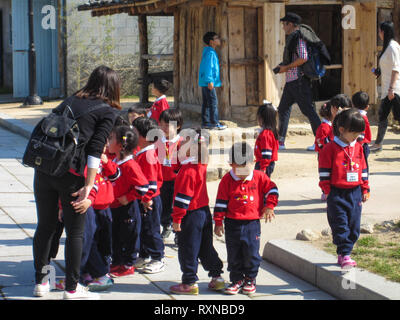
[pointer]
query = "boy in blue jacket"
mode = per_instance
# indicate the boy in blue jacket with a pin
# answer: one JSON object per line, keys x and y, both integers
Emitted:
{"x": 209, "y": 79}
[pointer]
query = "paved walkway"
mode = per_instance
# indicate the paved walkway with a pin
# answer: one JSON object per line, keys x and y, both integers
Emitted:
{"x": 17, "y": 227}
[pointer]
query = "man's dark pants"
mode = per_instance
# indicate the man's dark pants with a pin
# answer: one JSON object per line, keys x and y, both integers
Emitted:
{"x": 297, "y": 91}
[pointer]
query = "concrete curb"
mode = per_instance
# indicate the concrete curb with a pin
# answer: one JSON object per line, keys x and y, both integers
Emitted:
{"x": 15, "y": 126}
{"x": 321, "y": 270}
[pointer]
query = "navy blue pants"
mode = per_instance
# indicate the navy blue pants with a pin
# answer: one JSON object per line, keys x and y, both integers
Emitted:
{"x": 242, "y": 239}
{"x": 151, "y": 243}
{"x": 167, "y": 197}
{"x": 195, "y": 241}
{"x": 97, "y": 247}
{"x": 268, "y": 170}
{"x": 209, "y": 108}
{"x": 126, "y": 229}
{"x": 344, "y": 216}
{"x": 366, "y": 154}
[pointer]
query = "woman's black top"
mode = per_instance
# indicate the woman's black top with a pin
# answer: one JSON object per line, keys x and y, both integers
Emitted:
{"x": 94, "y": 126}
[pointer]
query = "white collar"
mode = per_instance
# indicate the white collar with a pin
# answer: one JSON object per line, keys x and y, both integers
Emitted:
{"x": 327, "y": 121}
{"x": 160, "y": 98}
{"x": 119, "y": 162}
{"x": 188, "y": 160}
{"x": 149, "y": 147}
{"x": 236, "y": 178}
{"x": 164, "y": 139}
{"x": 363, "y": 112}
{"x": 342, "y": 144}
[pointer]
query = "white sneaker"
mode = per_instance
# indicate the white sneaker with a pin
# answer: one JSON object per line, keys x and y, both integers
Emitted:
{"x": 311, "y": 148}
{"x": 81, "y": 293}
{"x": 154, "y": 266}
{"x": 41, "y": 290}
{"x": 141, "y": 262}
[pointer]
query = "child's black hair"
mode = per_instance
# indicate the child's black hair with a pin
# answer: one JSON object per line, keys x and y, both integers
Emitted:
{"x": 360, "y": 100}
{"x": 174, "y": 115}
{"x": 144, "y": 126}
{"x": 208, "y": 36}
{"x": 341, "y": 100}
{"x": 267, "y": 114}
{"x": 161, "y": 85}
{"x": 138, "y": 110}
{"x": 241, "y": 153}
{"x": 121, "y": 121}
{"x": 349, "y": 119}
{"x": 127, "y": 137}
{"x": 325, "y": 111}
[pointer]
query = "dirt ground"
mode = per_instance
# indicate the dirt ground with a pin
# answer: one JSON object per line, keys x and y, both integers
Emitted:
{"x": 300, "y": 207}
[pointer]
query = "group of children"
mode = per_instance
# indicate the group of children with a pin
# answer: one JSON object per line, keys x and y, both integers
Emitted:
{"x": 147, "y": 181}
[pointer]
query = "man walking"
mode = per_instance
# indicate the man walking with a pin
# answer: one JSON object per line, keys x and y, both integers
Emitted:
{"x": 209, "y": 79}
{"x": 298, "y": 87}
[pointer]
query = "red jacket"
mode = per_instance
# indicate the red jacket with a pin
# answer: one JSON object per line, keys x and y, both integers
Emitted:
{"x": 190, "y": 192}
{"x": 102, "y": 193}
{"x": 244, "y": 199}
{"x": 366, "y": 136}
{"x": 129, "y": 181}
{"x": 323, "y": 135}
{"x": 157, "y": 108}
{"x": 147, "y": 160}
{"x": 266, "y": 149}
{"x": 167, "y": 151}
{"x": 335, "y": 166}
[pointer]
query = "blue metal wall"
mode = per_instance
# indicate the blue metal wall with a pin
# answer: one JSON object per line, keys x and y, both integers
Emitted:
{"x": 46, "y": 44}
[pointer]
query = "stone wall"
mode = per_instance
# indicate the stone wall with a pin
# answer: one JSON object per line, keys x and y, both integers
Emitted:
{"x": 112, "y": 41}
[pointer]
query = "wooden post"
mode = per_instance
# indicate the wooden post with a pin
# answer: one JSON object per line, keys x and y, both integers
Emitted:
{"x": 143, "y": 63}
{"x": 224, "y": 105}
{"x": 176, "y": 58}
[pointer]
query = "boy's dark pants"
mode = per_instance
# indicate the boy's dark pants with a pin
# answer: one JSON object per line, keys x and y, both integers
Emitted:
{"x": 209, "y": 108}
{"x": 366, "y": 152}
{"x": 167, "y": 197}
{"x": 269, "y": 170}
{"x": 195, "y": 241}
{"x": 344, "y": 216}
{"x": 243, "y": 244}
{"x": 97, "y": 247}
{"x": 126, "y": 228}
{"x": 151, "y": 243}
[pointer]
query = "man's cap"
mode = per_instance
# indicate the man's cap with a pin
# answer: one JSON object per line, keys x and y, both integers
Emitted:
{"x": 292, "y": 17}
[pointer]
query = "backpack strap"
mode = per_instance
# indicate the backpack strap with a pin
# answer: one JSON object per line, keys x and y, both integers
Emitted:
{"x": 66, "y": 108}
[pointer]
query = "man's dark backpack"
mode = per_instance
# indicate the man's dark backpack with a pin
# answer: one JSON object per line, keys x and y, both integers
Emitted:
{"x": 314, "y": 68}
{"x": 53, "y": 144}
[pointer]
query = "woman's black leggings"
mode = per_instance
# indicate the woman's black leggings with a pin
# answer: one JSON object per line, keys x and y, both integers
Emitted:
{"x": 48, "y": 190}
{"x": 384, "y": 111}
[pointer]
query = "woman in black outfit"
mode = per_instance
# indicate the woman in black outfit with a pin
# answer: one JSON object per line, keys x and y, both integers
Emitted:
{"x": 103, "y": 88}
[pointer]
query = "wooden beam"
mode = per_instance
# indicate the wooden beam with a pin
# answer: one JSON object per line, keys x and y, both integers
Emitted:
{"x": 143, "y": 63}
{"x": 176, "y": 58}
{"x": 158, "y": 57}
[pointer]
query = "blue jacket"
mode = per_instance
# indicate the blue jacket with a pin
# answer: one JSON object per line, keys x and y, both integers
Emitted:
{"x": 209, "y": 68}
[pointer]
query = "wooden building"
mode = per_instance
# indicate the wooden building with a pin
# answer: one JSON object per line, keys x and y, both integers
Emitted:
{"x": 252, "y": 45}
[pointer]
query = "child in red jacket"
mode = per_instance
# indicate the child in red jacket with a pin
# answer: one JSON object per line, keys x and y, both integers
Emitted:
{"x": 193, "y": 222}
{"x": 244, "y": 197}
{"x": 361, "y": 102}
{"x": 266, "y": 148}
{"x": 129, "y": 186}
{"x": 159, "y": 89}
{"x": 344, "y": 178}
{"x": 171, "y": 122}
{"x": 152, "y": 245}
{"x": 324, "y": 133}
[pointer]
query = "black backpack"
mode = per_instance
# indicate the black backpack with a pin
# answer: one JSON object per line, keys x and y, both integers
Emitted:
{"x": 314, "y": 68}
{"x": 53, "y": 144}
